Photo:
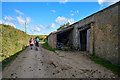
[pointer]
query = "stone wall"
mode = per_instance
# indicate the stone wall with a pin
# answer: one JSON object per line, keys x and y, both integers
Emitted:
{"x": 106, "y": 34}
{"x": 52, "y": 40}
{"x": 103, "y": 35}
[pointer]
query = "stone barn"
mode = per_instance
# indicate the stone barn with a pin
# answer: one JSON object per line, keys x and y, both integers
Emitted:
{"x": 98, "y": 34}
{"x": 51, "y": 38}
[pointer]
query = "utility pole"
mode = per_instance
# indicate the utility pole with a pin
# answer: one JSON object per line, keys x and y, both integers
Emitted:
{"x": 25, "y": 27}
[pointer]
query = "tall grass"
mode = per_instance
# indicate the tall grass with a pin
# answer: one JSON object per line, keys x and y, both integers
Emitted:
{"x": 46, "y": 46}
{"x": 113, "y": 67}
{"x": 13, "y": 40}
{"x": 6, "y": 61}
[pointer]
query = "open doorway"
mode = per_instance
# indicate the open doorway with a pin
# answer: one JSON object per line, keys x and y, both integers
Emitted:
{"x": 83, "y": 40}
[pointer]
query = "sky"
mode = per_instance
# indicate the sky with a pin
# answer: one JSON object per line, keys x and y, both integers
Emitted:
{"x": 43, "y": 18}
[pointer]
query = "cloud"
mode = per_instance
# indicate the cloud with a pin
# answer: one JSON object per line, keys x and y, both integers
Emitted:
{"x": 63, "y": 20}
{"x": 0, "y": 22}
{"x": 64, "y": 1}
{"x": 9, "y": 18}
{"x": 60, "y": 20}
{"x": 21, "y": 20}
{"x": 53, "y": 11}
{"x": 28, "y": 19}
{"x": 71, "y": 21}
{"x": 100, "y": 1}
{"x": 72, "y": 14}
{"x": 17, "y": 11}
{"x": 37, "y": 29}
{"x": 53, "y": 25}
{"x": 9, "y": 23}
{"x": 33, "y": 29}
{"x": 77, "y": 11}
{"x": 27, "y": 26}
{"x": 108, "y": 1}
{"x": 42, "y": 26}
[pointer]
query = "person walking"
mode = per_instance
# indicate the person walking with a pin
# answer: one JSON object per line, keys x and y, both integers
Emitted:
{"x": 37, "y": 43}
{"x": 31, "y": 42}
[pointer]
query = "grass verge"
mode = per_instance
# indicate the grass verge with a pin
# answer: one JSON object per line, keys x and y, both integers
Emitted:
{"x": 113, "y": 67}
{"x": 46, "y": 46}
{"x": 11, "y": 58}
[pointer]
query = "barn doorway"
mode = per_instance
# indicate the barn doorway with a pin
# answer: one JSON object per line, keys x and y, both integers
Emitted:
{"x": 83, "y": 40}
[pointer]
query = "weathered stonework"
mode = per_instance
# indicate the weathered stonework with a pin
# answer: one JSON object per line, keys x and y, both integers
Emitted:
{"x": 52, "y": 40}
{"x": 103, "y": 40}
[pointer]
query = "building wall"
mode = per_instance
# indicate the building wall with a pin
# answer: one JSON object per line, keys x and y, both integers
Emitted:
{"x": 103, "y": 35}
{"x": 70, "y": 37}
{"x": 106, "y": 34}
{"x": 52, "y": 40}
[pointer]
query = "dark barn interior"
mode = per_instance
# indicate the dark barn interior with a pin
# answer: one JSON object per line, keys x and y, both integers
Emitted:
{"x": 83, "y": 40}
{"x": 63, "y": 37}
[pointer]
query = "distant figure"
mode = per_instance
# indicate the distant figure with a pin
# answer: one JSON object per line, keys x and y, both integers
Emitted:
{"x": 31, "y": 42}
{"x": 36, "y": 43}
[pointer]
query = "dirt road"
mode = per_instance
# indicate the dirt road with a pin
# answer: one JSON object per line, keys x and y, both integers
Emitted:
{"x": 61, "y": 64}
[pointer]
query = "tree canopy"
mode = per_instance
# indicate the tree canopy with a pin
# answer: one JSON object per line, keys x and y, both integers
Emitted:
{"x": 63, "y": 26}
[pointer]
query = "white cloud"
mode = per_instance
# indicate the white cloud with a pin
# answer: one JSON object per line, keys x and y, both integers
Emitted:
{"x": 21, "y": 20}
{"x": 37, "y": 29}
{"x": 17, "y": 11}
{"x": 60, "y": 20}
{"x": 71, "y": 21}
{"x": 42, "y": 26}
{"x": 28, "y": 19}
{"x": 64, "y": 1}
{"x": 53, "y": 11}
{"x": 9, "y": 18}
{"x": 100, "y": 1}
{"x": 0, "y": 22}
{"x": 9, "y": 23}
{"x": 103, "y": 1}
{"x": 32, "y": 28}
{"x": 63, "y": 20}
{"x": 27, "y": 26}
{"x": 72, "y": 14}
{"x": 53, "y": 25}
{"x": 77, "y": 11}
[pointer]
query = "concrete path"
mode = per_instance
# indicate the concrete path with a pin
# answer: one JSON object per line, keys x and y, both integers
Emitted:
{"x": 61, "y": 64}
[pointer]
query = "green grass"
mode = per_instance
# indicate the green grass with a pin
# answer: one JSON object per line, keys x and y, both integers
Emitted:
{"x": 13, "y": 40}
{"x": 113, "y": 67}
{"x": 46, "y": 46}
{"x": 66, "y": 48}
{"x": 6, "y": 61}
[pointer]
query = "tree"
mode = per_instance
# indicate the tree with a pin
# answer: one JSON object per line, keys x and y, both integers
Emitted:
{"x": 63, "y": 26}
{"x": 67, "y": 24}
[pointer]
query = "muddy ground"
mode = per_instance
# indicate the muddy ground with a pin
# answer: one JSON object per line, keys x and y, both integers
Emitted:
{"x": 60, "y": 64}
